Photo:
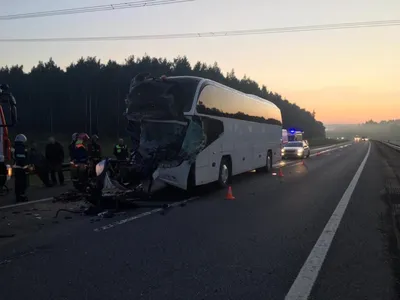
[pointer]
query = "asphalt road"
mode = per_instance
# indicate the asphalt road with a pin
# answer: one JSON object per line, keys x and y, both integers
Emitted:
{"x": 257, "y": 246}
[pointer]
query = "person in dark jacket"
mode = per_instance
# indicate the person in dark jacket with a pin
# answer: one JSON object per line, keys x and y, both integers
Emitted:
{"x": 71, "y": 146}
{"x": 55, "y": 159}
{"x": 121, "y": 150}
{"x": 38, "y": 160}
{"x": 94, "y": 149}
{"x": 80, "y": 153}
{"x": 21, "y": 167}
{"x": 94, "y": 152}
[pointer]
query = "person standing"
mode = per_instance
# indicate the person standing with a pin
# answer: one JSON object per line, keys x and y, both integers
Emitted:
{"x": 71, "y": 146}
{"x": 55, "y": 159}
{"x": 94, "y": 153}
{"x": 94, "y": 149}
{"x": 39, "y": 162}
{"x": 121, "y": 150}
{"x": 21, "y": 167}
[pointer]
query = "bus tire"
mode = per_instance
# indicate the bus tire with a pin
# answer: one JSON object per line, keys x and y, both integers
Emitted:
{"x": 225, "y": 172}
{"x": 268, "y": 163}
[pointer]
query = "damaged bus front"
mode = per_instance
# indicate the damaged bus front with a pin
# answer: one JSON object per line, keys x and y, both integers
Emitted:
{"x": 165, "y": 140}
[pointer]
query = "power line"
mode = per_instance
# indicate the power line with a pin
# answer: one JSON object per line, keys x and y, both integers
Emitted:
{"x": 210, "y": 34}
{"x": 91, "y": 9}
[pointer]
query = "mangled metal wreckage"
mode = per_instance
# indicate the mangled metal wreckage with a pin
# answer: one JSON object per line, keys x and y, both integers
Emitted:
{"x": 163, "y": 139}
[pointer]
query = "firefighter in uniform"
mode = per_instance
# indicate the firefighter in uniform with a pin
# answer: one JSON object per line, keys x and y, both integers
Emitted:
{"x": 121, "y": 150}
{"x": 21, "y": 167}
{"x": 94, "y": 153}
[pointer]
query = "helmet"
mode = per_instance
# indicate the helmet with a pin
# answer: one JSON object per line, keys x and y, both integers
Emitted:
{"x": 83, "y": 136}
{"x": 21, "y": 138}
{"x": 74, "y": 136}
{"x": 95, "y": 137}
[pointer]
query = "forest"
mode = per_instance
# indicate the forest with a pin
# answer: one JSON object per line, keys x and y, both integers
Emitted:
{"x": 89, "y": 95}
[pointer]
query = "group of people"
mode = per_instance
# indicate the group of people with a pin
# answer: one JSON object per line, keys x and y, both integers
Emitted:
{"x": 82, "y": 149}
{"x": 26, "y": 159}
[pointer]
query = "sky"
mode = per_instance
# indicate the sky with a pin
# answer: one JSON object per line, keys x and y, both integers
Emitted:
{"x": 346, "y": 76}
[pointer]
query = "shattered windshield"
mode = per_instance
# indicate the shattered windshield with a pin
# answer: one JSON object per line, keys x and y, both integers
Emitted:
{"x": 167, "y": 99}
{"x": 194, "y": 142}
{"x": 162, "y": 138}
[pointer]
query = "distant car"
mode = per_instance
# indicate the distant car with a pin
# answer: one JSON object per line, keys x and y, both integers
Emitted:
{"x": 296, "y": 149}
{"x": 364, "y": 138}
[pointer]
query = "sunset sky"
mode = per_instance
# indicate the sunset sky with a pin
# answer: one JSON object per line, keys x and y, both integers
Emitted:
{"x": 347, "y": 76}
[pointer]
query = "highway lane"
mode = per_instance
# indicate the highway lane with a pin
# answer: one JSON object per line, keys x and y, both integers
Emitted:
{"x": 359, "y": 264}
{"x": 249, "y": 248}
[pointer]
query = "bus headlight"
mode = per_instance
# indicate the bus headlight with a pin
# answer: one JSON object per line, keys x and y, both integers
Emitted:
{"x": 100, "y": 167}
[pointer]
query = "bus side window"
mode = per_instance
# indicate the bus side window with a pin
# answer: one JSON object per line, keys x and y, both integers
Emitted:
{"x": 213, "y": 128}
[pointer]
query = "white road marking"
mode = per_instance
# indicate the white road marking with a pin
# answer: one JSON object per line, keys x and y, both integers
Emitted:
{"x": 308, "y": 274}
{"x": 26, "y": 203}
{"x": 147, "y": 213}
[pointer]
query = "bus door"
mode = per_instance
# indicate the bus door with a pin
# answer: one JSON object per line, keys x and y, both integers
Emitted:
{"x": 208, "y": 160}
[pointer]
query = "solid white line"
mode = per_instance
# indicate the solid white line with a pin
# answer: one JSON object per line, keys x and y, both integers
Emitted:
{"x": 308, "y": 274}
{"x": 147, "y": 213}
{"x": 26, "y": 203}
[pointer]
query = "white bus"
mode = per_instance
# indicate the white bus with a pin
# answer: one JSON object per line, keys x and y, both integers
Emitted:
{"x": 228, "y": 132}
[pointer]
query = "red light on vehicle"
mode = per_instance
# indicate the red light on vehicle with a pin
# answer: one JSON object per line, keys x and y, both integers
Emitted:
{"x": 163, "y": 77}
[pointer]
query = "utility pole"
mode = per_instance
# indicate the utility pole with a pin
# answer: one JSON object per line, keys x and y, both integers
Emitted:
{"x": 51, "y": 119}
{"x": 118, "y": 112}
{"x": 97, "y": 115}
{"x": 90, "y": 114}
{"x": 86, "y": 112}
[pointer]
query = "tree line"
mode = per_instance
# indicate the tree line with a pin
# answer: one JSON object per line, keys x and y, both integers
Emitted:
{"x": 89, "y": 95}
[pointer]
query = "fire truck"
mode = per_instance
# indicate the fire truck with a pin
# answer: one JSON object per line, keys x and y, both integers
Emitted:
{"x": 8, "y": 107}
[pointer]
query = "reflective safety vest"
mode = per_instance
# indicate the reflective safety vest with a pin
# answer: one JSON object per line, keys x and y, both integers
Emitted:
{"x": 120, "y": 148}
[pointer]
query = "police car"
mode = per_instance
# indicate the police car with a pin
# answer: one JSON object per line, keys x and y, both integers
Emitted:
{"x": 296, "y": 149}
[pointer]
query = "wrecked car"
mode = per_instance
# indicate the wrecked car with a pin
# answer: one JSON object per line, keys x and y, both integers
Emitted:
{"x": 188, "y": 131}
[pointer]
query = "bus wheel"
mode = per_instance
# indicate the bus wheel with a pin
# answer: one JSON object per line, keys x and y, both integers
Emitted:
{"x": 224, "y": 176}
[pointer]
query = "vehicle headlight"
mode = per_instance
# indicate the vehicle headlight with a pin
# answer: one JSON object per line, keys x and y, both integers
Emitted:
{"x": 100, "y": 167}
{"x": 9, "y": 172}
{"x": 300, "y": 150}
{"x": 283, "y": 150}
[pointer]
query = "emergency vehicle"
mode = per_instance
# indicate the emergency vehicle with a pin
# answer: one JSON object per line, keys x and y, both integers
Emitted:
{"x": 7, "y": 100}
{"x": 295, "y": 135}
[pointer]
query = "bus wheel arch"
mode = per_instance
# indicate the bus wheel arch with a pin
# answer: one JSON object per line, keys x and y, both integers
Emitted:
{"x": 269, "y": 161}
{"x": 225, "y": 171}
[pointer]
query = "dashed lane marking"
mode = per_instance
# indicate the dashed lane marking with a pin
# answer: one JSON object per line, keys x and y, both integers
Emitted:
{"x": 142, "y": 215}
